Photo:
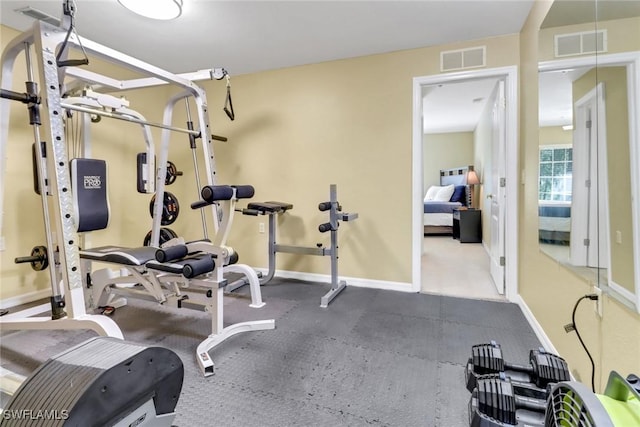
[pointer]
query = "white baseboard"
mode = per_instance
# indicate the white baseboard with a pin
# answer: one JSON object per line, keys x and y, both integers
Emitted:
{"x": 351, "y": 281}
{"x": 537, "y": 328}
{"x": 25, "y": 298}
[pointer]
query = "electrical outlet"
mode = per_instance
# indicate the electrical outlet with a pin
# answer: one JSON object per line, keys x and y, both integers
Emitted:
{"x": 618, "y": 237}
{"x": 598, "y": 307}
{"x": 261, "y": 227}
{"x": 2, "y": 248}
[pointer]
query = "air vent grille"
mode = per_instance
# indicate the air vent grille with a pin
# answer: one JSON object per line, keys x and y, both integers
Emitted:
{"x": 461, "y": 59}
{"x": 39, "y": 15}
{"x": 583, "y": 43}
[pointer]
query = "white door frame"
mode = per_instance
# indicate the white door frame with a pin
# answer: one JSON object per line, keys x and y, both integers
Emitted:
{"x": 510, "y": 75}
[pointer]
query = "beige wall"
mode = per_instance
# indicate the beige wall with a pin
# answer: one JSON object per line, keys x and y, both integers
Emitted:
{"x": 445, "y": 151}
{"x": 555, "y": 135}
{"x": 547, "y": 288}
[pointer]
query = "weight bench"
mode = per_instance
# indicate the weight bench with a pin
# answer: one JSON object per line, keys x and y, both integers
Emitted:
{"x": 161, "y": 279}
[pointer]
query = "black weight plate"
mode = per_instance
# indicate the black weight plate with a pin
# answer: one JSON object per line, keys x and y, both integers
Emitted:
{"x": 170, "y": 208}
{"x": 166, "y": 234}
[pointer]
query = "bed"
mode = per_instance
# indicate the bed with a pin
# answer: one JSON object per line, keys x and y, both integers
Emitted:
{"x": 554, "y": 222}
{"x": 438, "y": 208}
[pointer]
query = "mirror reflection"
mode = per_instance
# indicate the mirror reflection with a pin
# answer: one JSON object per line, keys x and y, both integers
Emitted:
{"x": 588, "y": 108}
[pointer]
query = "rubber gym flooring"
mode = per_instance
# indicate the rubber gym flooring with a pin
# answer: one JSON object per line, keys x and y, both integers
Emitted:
{"x": 373, "y": 357}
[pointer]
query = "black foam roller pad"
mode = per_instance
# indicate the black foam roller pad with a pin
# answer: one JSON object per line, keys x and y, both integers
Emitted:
{"x": 171, "y": 253}
{"x": 198, "y": 266}
{"x": 211, "y": 193}
{"x": 323, "y": 228}
{"x": 244, "y": 191}
{"x": 234, "y": 258}
{"x": 324, "y": 206}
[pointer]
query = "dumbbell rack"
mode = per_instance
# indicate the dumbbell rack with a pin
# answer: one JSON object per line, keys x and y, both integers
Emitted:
{"x": 335, "y": 215}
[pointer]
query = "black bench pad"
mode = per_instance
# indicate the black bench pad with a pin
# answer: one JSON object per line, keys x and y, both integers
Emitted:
{"x": 119, "y": 255}
{"x": 269, "y": 207}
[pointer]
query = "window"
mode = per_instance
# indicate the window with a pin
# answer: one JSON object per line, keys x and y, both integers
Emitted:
{"x": 555, "y": 172}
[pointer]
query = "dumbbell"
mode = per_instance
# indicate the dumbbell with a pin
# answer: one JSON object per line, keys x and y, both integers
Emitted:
{"x": 543, "y": 368}
{"x": 495, "y": 403}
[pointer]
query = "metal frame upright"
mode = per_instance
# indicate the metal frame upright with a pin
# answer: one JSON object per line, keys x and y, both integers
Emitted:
{"x": 67, "y": 301}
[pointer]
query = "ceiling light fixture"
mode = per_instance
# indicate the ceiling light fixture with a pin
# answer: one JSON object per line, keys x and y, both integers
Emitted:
{"x": 158, "y": 9}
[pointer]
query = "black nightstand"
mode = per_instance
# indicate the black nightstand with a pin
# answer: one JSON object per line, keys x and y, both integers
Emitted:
{"x": 467, "y": 225}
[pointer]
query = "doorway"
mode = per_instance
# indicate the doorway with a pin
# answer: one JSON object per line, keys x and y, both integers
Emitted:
{"x": 503, "y": 192}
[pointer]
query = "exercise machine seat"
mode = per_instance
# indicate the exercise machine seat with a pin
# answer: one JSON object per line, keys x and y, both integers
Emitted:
{"x": 269, "y": 207}
{"x": 188, "y": 267}
{"x": 119, "y": 255}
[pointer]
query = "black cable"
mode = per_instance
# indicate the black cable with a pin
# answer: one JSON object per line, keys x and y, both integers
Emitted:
{"x": 575, "y": 327}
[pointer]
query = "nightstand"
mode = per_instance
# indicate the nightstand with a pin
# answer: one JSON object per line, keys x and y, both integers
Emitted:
{"x": 467, "y": 225}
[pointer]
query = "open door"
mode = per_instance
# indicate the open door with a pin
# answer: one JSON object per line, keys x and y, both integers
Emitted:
{"x": 498, "y": 194}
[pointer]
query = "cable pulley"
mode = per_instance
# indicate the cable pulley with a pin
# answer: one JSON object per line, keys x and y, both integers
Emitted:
{"x": 170, "y": 208}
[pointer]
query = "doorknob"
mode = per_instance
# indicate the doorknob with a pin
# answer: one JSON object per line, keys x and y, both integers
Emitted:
{"x": 489, "y": 196}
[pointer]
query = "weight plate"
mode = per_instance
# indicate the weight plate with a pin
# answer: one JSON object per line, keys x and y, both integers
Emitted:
{"x": 166, "y": 234}
{"x": 170, "y": 208}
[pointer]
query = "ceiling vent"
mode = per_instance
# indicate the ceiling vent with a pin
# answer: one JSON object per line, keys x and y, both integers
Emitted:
{"x": 39, "y": 15}
{"x": 461, "y": 59}
{"x": 585, "y": 42}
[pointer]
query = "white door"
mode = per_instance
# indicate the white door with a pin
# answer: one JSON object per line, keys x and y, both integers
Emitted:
{"x": 589, "y": 241}
{"x": 498, "y": 193}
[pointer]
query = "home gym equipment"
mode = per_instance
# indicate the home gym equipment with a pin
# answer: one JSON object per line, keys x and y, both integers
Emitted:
{"x": 226, "y": 196}
{"x": 495, "y": 403}
{"x": 63, "y": 86}
{"x": 163, "y": 274}
{"x": 101, "y": 382}
{"x": 67, "y": 311}
{"x": 38, "y": 259}
{"x": 543, "y": 368}
{"x": 505, "y": 393}
{"x": 335, "y": 216}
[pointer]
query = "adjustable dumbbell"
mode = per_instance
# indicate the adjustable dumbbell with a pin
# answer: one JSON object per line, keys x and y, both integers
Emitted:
{"x": 495, "y": 403}
{"x": 543, "y": 368}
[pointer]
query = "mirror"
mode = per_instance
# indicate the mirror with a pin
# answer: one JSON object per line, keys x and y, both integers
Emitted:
{"x": 588, "y": 176}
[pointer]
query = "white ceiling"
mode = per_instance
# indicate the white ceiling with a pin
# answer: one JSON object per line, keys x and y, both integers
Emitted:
{"x": 253, "y": 36}
{"x": 455, "y": 107}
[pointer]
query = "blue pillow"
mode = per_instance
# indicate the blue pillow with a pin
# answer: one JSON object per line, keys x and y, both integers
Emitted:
{"x": 459, "y": 194}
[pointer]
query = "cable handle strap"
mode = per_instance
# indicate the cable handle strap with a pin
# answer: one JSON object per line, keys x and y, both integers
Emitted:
{"x": 228, "y": 104}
